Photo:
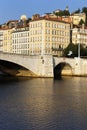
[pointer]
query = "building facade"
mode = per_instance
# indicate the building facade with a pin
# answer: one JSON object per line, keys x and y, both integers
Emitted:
{"x": 76, "y": 17}
{"x": 48, "y": 36}
{"x": 14, "y": 36}
{"x": 79, "y": 36}
{"x": 1, "y": 40}
{"x": 7, "y": 40}
{"x": 39, "y": 36}
{"x": 20, "y": 40}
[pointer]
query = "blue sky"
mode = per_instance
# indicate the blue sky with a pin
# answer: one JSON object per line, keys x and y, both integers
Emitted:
{"x": 13, "y": 9}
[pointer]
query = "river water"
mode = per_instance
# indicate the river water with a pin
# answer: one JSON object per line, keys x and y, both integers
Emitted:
{"x": 43, "y": 104}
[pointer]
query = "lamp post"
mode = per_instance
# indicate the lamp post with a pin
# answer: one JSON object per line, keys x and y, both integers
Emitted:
{"x": 79, "y": 37}
{"x": 79, "y": 50}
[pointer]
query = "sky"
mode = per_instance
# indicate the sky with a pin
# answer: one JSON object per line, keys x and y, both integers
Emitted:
{"x": 13, "y": 9}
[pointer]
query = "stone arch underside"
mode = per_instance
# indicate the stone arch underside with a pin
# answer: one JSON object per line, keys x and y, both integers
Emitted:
{"x": 11, "y": 68}
{"x": 62, "y": 69}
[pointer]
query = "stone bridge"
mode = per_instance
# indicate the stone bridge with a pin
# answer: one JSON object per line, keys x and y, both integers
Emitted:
{"x": 70, "y": 66}
{"x": 42, "y": 66}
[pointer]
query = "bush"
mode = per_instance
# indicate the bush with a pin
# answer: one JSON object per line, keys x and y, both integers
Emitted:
{"x": 74, "y": 49}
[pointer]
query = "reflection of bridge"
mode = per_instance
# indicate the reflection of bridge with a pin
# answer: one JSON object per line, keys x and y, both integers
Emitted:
{"x": 41, "y": 66}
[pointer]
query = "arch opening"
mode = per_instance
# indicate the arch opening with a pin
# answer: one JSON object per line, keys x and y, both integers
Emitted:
{"x": 13, "y": 69}
{"x": 62, "y": 69}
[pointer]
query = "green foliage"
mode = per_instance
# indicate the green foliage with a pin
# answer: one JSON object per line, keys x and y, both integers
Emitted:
{"x": 59, "y": 13}
{"x": 28, "y": 20}
{"x": 83, "y": 51}
{"x": 66, "y": 13}
{"x": 70, "y": 47}
{"x": 84, "y": 10}
{"x": 77, "y": 11}
{"x": 81, "y": 22}
{"x": 74, "y": 48}
{"x": 63, "y": 13}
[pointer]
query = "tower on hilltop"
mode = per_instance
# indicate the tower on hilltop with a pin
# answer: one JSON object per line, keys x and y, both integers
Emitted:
{"x": 67, "y": 8}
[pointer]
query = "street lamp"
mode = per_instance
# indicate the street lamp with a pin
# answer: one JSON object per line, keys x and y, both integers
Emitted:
{"x": 79, "y": 50}
{"x": 79, "y": 46}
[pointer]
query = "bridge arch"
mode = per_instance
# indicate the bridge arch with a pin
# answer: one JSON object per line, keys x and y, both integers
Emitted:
{"x": 12, "y": 68}
{"x": 62, "y": 69}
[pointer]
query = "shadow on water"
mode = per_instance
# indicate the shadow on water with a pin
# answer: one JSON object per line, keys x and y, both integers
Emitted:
{"x": 5, "y": 79}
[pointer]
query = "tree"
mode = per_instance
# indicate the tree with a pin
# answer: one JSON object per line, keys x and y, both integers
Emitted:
{"x": 81, "y": 22}
{"x": 62, "y": 13}
{"x": 28, "y": 20}
{"x": 84, "y": 10}
{"x": 77, "y": 11}
{"x": 83, "y": 51}
{"x": 59, "y": 13}
{"x": 71, "y": 47}
{"x": 66, "y": 13}
{"x": 74, "y": 49}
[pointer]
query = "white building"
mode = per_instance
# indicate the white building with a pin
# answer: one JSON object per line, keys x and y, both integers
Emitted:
{"x": 79, "y": 36}
{"x": 20, "y": 40}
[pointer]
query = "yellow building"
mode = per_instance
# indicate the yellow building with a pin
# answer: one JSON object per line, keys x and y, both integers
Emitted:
{"x": 7, "y": 40}
{"x": 76, "y": 17}
{"x": 48, "y": 36}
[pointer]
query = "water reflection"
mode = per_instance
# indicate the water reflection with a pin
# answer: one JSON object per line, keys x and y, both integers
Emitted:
{"x": 43, "y": 104}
